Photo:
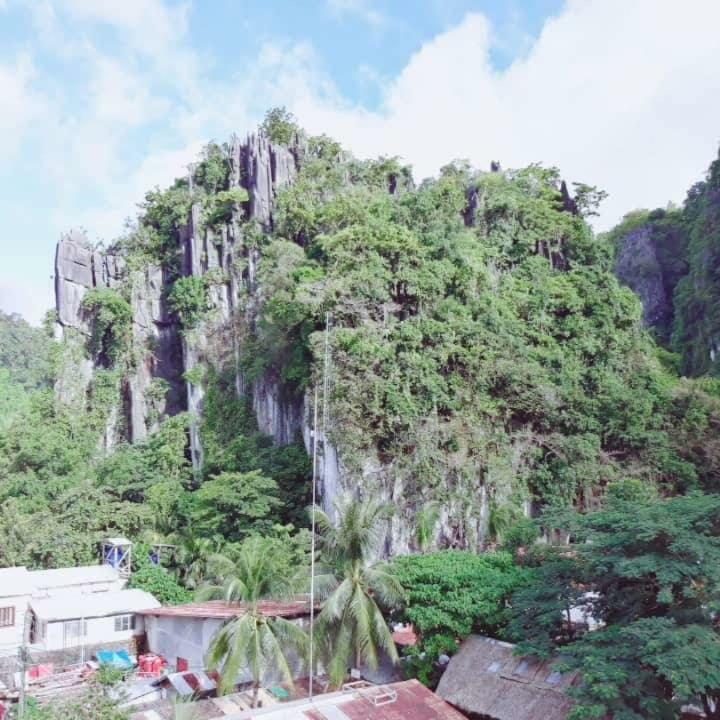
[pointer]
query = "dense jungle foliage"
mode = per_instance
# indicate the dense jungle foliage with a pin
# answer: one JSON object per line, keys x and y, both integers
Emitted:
{"x": 482, "y": 352}
{"x": 485, "y": 362}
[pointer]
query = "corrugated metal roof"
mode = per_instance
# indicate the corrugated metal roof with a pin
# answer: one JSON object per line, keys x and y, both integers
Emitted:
{"x": 67, "y": 577}
{"x": 89, "y": 605}
{"x": 15, "y": 581}
{"x": 412, "y": 701}
{"x": 486, "y": 678}
{"x": 219, "y": 609}
{"x": 188, "y": 683}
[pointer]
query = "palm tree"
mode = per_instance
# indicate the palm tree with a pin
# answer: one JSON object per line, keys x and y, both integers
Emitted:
{"x": 194, "y": 557}
{"x": 351, "y": 625}
{"x": 252, "y": 641}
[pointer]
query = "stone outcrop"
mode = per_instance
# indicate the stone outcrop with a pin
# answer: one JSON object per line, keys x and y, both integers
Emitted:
{"x": 78, "y": 268}
{"x": 162, "y": 352}
{"x": 637, "y": 266}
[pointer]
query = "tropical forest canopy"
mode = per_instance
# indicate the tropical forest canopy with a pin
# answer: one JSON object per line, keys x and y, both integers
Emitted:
{"x": 484, "y": 355}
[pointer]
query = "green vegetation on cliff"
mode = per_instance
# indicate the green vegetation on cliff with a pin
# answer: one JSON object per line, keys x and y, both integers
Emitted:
{"x": 677, "y": 271}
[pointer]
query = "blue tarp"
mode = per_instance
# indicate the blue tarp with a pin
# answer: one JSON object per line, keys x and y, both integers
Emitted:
{"x": 116, "y": 658}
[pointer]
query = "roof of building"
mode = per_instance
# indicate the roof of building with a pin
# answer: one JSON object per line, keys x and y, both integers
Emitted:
{"x": 485, "y": 678}
{"x": 405, "y": 636}
{"x": 15, "y": 581}
{"x": 407, "y": 700}
{"x": 188, "y": 683}
{"x": 221, "y": 610}
{"x": 67, "y": 577}
{"x": 90, "y": 605}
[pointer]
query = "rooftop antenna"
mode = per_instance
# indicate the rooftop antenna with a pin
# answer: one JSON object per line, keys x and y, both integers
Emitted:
{"x": 326, "y": 365}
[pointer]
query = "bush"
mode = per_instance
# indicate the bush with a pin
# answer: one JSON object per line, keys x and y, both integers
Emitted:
{"x": 279, "y": 125}
{"x": 188, "y": 298}
{"x": 156, "y": 580}
{"x": 111, "y": 321}
{"x": 452, "y": 594}
{"x": 223, "y": 204}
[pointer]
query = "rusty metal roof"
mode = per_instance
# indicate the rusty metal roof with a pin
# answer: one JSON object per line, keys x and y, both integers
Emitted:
{"x": 414, "y": 702}
{"x": 405, "y": 636}
{"x": 220, "y": 610}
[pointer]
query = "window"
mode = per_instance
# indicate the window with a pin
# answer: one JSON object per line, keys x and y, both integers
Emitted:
{"x": 554, "y": 678}
{"x": 74, "y": 631}
{"x": 123, "y": 623}
{"x": 7, "y": 616}
{"x": 38, "y": 629}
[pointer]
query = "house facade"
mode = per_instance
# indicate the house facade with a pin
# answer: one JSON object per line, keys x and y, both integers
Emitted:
{"x": 67, "y": 622}
{"x": 15, "y": 592}
{"x": 58, "y": 614}
{"x": 184, "y": 634}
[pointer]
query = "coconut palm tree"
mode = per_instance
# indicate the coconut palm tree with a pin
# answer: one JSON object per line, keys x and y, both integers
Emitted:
{"x": 253, "y": 642}
{"x": 350, "y": 625}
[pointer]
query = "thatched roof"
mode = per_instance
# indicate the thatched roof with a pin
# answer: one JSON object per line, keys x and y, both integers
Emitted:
{"x": 484, "y": 677}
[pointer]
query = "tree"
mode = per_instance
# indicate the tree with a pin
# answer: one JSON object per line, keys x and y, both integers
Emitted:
{"x": 235, "y": 504}
{"x": 279, "y": 125}
{"x": 542, "y": 608}
{"x": 452, "y": 593}
{"x": 156, "y": 580}
{"x": 653, "y": 565}
{"x": 351, "y": 625}
{"x": 254, "y": 642}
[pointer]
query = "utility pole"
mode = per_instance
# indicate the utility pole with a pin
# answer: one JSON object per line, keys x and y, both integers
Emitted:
{"x": 312, "y": 545}
{"x": 315, "y": 434}
{"x": 21, "y": 699}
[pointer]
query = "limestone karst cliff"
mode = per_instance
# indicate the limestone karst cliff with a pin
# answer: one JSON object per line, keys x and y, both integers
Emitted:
{"x": 160, "y": 350}
{"x": 482, "y": 353}
{"x": 670, "y": 258}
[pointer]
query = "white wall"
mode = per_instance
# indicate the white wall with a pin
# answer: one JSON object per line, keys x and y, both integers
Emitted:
{"x": 188, "y": 638}
{"x": 99, "y": 631}
{"x": 12, "y": 637}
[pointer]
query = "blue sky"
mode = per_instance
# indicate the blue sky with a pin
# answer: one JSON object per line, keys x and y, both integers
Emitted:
{"x": 102, "y": 99}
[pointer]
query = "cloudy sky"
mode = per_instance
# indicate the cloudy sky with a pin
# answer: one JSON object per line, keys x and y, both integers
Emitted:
{"x": 103, "y": 99}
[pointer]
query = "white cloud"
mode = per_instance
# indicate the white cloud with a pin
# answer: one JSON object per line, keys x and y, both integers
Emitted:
{"x": 22, "y": 106}
{"x": 361, "y": 9}
{"x": 622, "y": 95}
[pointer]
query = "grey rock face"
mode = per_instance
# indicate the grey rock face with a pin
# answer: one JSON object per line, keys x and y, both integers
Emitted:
{"x": 230, "y": 266}
{"x": 637, "y": 266}
{"x": 79, "y": 268}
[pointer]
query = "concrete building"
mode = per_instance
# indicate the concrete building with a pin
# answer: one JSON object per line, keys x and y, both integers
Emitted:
{"x": 70, "y": 581}
{"x": 183, "y": 634}
{"x": 88, "y": 620}
{"x": 51, "y": 611}
{"x": 15, "y": 593}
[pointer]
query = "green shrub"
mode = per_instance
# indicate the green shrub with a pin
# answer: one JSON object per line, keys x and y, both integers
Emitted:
{"x": 110, "y": 318}
{"x": 188, "y": 297}
{"x": 279, "y": 126}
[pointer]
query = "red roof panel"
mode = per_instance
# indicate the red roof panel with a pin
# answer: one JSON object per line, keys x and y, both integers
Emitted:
{"x": 220, "y": 610}
{"x": 414, "y": 702}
